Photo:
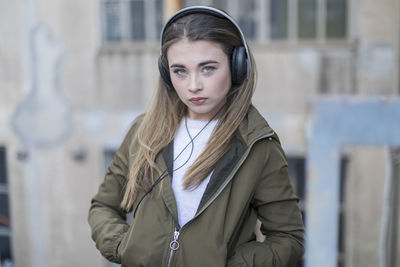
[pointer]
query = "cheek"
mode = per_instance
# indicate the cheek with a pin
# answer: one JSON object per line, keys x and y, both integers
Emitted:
{"x": 177, "y": 85}
{"x": 223, "y": 84}
{"x": 174, "y": 82}
{"x": 178, "y": 89}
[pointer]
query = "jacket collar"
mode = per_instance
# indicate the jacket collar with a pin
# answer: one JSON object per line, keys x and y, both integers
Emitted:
{"x": 252, "y": 128}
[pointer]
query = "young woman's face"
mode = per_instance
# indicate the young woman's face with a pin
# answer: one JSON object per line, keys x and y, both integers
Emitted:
{"x": 201, "y": 76}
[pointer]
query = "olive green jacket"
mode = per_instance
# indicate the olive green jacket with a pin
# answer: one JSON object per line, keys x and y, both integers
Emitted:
{"x": 251, "y": 181}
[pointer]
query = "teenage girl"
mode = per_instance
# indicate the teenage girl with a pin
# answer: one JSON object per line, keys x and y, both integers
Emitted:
{"x": 201, "y": 165}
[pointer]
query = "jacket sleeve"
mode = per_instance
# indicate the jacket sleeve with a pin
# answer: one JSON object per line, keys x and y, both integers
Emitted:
{"x": 277, "y": 208}
{"x": 106, "y": 218}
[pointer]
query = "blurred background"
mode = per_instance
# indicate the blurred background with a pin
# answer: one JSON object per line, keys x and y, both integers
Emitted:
{"x": 74, "y": 74}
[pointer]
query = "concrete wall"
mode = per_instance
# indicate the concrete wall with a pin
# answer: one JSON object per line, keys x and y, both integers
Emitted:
{"x": 107, "y": 86}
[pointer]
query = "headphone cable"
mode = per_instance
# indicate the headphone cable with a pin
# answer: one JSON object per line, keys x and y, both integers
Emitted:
{"x": 164, "y": 173}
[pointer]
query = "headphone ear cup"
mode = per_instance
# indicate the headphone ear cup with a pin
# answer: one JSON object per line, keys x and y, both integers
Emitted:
{"x": 238, "y": 65}
{"x": 164, "y": 73}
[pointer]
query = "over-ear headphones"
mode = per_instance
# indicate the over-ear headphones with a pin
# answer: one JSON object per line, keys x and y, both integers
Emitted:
{"x": 240, "y": 59}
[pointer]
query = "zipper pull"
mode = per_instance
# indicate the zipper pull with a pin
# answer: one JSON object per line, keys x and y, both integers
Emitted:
{"x": 174, "y": 245}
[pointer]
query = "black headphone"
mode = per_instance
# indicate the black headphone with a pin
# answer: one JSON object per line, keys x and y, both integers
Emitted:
{"x": 240, "y": 60}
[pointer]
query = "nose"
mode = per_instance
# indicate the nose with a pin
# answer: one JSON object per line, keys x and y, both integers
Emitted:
{"x": 195, "y": 84}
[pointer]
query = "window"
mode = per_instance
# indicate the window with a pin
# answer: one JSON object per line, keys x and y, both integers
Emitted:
{"x": 274, "y": 20}
{"x": 5, "y": 224}
{"x": 336, "y": 18}
{"x": 112, "y": 31}
{"x": 278, "y": 19}
{"x": 260, "y": 20}
{"x": 246, "y": 18}
{"x": 308, "y": 19}
{"x": 131, "y": 20}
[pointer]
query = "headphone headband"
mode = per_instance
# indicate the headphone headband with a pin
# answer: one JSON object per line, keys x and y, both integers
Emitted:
{"x": 212, "y": 11}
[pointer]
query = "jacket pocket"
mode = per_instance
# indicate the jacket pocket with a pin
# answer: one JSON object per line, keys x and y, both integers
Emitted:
{"x": 122, "y": 245}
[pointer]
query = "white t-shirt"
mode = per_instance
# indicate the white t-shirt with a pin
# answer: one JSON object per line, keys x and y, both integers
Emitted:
{"x": 187, "y": 201}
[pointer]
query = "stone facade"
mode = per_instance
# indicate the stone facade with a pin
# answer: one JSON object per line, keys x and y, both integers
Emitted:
{"x": 106, "y": 86}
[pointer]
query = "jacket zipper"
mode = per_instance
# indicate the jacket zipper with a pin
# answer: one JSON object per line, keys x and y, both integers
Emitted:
{"x": 173, "y": 245}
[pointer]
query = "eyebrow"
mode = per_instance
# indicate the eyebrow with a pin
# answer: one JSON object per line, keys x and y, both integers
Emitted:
{"x": 177, "y": 66}
{"x": 208, "y": 62}
{"x": 200, "y": 64}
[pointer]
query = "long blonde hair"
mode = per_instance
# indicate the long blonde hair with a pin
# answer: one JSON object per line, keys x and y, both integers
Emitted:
{"x": 162, "y": 118}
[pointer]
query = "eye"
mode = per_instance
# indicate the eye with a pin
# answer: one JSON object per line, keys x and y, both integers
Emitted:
{"x": 179, "y": 72}
{"x": 208, "y": 69}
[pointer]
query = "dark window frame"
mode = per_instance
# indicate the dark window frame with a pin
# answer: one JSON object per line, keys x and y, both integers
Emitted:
{"x": 5, "y": 221}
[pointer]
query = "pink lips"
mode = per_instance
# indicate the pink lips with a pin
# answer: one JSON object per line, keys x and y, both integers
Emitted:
{"x": 197, "y": 100}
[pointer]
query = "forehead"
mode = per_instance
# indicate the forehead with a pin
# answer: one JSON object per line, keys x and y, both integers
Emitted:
{"x": 191, "y": 51}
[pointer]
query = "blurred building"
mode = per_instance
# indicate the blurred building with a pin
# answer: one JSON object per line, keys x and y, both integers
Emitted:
{"x": 74, "y": 74}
